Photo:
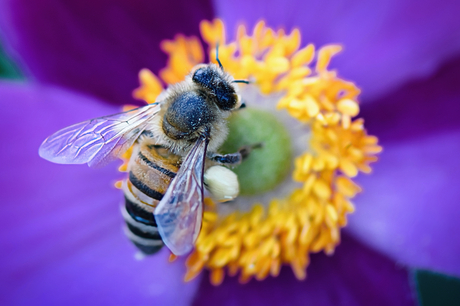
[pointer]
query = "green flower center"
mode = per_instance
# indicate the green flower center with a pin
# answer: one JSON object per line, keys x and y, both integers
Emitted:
{"x": 265, "y": 167}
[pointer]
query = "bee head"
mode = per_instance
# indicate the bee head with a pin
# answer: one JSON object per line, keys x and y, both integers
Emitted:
{"x": 187, "y": 113}
{"x": 213, "y": 80}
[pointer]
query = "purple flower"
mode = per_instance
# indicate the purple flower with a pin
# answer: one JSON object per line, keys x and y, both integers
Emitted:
{"x": 61, "y": 229}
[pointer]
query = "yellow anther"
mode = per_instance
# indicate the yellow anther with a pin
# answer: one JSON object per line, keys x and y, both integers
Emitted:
{"x": 256, "y": 215}
{"x": 210, "y": 216}
{"x": 303, "y": 56}
{"x": 331, "y": 213}
{"x": 370, "y": 140}
{"x": 251, "y": 239}
{"x": 324, "y": 57}
{"x": 347, "y": 167}
{"x": 348, "y": 107}
{"x": 118, "y": 184}
{"x": 318, "y": 164}
{"x": 298, "y": 269}
{"x": 277, "y": 64}
{"x": 267, "y": 246}
{"x": 263, "y": 268}
{"x": 306, "y": 163}
{"x": 292, "y": 42}
{"x": 213, "y": 33}
{"x": 312, "y": 106}
{"x": 150, "y": 87}
{"x": 348, "y": 206}
{"x": 372, "y": 149}
{"x": 347, "y": 187}
{"x": 220, "y": 258}
{"x": 217, "y": 276}
{"x": 275, "y": 267}
{"x": 321, "y": 189}
{"x": 309, "y": 183}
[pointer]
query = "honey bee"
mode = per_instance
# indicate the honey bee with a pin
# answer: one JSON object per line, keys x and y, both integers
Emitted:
{"x": 172, "y": 140}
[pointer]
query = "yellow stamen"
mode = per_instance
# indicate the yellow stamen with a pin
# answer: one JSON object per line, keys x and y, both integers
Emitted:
{"x": 255, "y": 243}
{"x": 150, "y": 87}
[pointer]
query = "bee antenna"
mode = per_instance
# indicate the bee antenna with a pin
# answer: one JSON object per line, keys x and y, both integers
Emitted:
{"x": 240, "y": 81}
{"x": 217, "y": 57}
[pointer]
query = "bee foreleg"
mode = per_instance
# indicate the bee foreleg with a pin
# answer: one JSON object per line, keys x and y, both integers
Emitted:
{"x": 234, "y": 158}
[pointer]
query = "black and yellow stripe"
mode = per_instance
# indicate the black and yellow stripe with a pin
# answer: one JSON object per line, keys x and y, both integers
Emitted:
{"x": 151, "y": 170}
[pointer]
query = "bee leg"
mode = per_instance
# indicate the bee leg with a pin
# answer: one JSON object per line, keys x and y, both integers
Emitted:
{"x": 235, "y": 158}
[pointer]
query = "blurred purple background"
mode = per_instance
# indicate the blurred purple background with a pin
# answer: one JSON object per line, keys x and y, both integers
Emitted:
{"x": 60, "y": 225}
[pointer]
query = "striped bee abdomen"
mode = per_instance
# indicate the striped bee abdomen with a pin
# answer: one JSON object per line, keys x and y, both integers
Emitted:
{"x": 151, "y": 169}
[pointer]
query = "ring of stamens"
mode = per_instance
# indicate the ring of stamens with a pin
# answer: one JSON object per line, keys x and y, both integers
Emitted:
{"x": 256, "y": 243}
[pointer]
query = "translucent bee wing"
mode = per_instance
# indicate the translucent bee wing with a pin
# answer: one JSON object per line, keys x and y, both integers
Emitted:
{"x": 98, "y": 141}
{"x": 179, "y": 213}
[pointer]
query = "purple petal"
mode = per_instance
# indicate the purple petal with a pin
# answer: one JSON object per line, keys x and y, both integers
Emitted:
{"x": 409, "y": 209}
{"x": 61, "y": 229}
{"x": 355, "y": 275}
{"x": 386, "y": 42}
{"x": 97, "y": 47}
{"x": 421, "y": 108}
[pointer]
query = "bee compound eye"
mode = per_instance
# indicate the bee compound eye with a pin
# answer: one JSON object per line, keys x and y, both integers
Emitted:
{"x": 197, "y": 67}
{"x": 227, "y": 101}
{"x": 200, "y": 75}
